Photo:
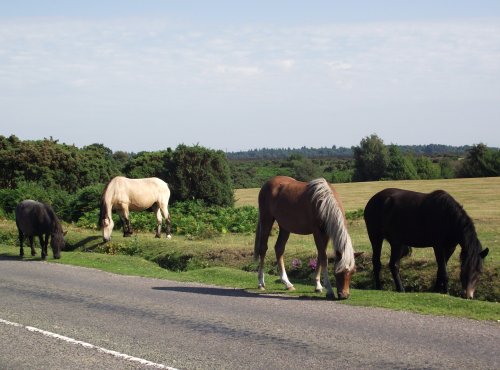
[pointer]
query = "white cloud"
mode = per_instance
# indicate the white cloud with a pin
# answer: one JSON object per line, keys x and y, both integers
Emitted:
{"x": 319, "y": 71}
{"x": 286, "y": 64}
{"x": 245, "y": 71}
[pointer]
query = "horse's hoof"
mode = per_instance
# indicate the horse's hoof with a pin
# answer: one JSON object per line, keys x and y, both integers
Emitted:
{"x": 157, "y": 236}
{"x": 330, "y": 296}
{"x": 169, "y": 236}
{"x": 318, "y": 290}
{"x": 33, "y": 253}
{"x": 262, "y": 287}
{"x": 290, "y": 288}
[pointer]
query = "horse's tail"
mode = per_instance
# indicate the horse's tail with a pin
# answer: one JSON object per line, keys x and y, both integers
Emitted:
{"x": 333, "y": 220}
{"x": 257, "y": 246}
{"x": 406, "y": 251}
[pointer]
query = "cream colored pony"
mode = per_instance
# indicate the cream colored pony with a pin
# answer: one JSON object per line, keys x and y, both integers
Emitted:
{"x": 124, "y": 195}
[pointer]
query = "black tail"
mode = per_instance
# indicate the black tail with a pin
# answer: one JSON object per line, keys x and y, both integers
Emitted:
{"x": 256, "y": 250}
{"x": 406, "y": 251}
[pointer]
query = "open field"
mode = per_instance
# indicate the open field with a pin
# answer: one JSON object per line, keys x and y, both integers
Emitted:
{"x": 227, "y": 259}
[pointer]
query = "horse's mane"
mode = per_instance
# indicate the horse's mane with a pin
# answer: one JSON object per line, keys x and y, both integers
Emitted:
{"x": 333, "y": 220}
{"x": 102, "y": 205}
{"x": 56, "y": 226}
{"x": 462, "y": 224}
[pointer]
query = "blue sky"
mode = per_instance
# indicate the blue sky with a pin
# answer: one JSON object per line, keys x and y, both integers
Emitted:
{"x": 147, "y": 75}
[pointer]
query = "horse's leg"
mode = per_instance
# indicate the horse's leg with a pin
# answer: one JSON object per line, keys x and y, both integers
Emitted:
{"x": 168, "y": 221}
{"x": 321, "y": 240}
{"x": 127, "y": 227}
{"x": 21, "y": 240}
{"x": 317, "y": 277}
{"x": 33, "y": 252}
{"x": 376, "y": 243}
{"x": 43, "y": 244}
{"x": 279, "y": 248}
{"x": 159, "y": 220}
{"x": 441, "y": 253}
{"x": 264, "y": 227}
{"x": 396, "y": 254}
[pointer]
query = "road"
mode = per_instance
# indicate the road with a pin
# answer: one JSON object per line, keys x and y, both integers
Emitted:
{"x": 193, "y": 326}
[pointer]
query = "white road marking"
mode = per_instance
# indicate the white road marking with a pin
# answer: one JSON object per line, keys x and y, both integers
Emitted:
{"x": 90, "y": 346}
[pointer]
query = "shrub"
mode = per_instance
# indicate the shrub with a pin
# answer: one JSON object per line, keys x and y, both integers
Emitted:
{"x": 193, "y": 218}
{"x": 200, "y": 173}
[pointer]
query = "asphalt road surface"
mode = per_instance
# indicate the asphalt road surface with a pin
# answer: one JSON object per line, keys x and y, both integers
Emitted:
{"x": 63, "y": 317}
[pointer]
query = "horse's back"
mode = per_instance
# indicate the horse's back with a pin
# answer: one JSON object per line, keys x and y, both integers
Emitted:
{"x": 32, "y": 217}
{"x": 137, "y": 193}
{"x": 286, "y": 200}
{"x": 410, "y": 217}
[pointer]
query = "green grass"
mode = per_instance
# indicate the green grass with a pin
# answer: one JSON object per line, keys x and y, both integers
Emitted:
{"x": 226, "y": 260}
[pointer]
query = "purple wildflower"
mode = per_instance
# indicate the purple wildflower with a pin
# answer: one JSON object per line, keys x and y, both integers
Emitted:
{"x": 296, "y": 263}
{"x": 313, "y": 263}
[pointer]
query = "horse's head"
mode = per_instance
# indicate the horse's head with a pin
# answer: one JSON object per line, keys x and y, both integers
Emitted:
{"x": 107, "y": 225}
{"x": 57, "y": 243}
{"x": 343, "y": 278}
{"x": 469, "y": 274}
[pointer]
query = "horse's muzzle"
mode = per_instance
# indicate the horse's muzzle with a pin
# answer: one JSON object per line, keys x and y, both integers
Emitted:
{"x": 343, "y": 296}
{"x": 467, "y": 294}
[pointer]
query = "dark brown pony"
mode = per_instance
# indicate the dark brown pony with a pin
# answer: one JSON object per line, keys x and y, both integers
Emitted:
{"x": 305, "y": 208}
{"x": 411, "y": 219}
{"x": 39, "y": 219}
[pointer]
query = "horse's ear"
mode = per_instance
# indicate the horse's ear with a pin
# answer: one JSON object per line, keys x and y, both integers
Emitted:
{"x": 357, "y": 254}
{"x": 484, "y": 252}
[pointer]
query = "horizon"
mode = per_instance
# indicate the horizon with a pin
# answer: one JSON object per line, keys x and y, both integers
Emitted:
{"x": 145, "y": 76}
{"x": 333, "y": 146}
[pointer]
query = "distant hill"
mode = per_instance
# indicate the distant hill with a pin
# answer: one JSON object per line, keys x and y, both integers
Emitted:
{"x": 343, "y": 152}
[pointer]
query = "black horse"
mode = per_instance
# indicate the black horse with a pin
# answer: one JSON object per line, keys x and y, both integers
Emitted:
{"x": 39, "y": 219}
{"x": 411, "y": 219}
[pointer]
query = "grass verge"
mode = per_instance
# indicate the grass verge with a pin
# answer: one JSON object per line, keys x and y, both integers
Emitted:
{"x": 423, "y": 303}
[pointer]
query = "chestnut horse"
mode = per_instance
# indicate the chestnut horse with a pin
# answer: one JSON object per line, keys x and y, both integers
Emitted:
{"x": 124, "y": 195}
{"x": 411, "y": 219}
{"x": 305, "y": 208}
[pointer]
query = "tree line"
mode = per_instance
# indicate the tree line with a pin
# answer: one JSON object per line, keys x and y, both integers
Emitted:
{"x": 72, "y": 178}
{"x": 431, "y": 150}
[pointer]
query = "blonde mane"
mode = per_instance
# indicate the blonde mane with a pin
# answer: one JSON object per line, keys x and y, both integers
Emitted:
{"x": 332, "y": 217}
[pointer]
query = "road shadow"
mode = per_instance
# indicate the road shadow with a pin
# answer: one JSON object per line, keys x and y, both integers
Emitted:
{"x": 9, "y": 257}
{"x": 83, "y": 243}
{"x": 227, "y": 292}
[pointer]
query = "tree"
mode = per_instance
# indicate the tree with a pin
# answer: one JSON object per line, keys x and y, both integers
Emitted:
{"x": 480, "y": 162}
{"x": 148, "y": 164}
{"x": 200, "y": 173}
{"x": 399, "y": 167}
{"x": 426, "y": 169}
{"x": 370, "y": 159}
{"x": 303, "y": 168}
